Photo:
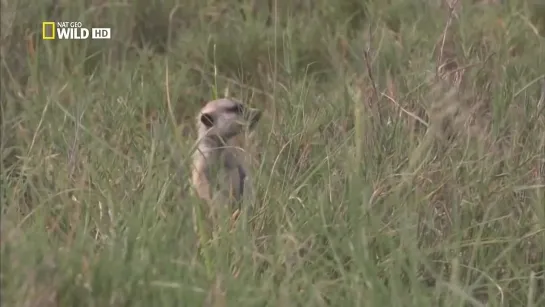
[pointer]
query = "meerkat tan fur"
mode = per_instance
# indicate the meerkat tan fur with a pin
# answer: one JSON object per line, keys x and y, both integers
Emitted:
{"x": 220, "y": 172}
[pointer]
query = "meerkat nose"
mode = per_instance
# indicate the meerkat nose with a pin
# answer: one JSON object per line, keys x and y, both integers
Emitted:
{"x": 254, "y": 117}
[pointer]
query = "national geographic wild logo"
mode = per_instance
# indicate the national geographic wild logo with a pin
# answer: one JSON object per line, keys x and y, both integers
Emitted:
{"x": 72, "y": 30}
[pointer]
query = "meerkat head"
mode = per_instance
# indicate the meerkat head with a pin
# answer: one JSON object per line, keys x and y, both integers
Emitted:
{"x": 225, "y": 118}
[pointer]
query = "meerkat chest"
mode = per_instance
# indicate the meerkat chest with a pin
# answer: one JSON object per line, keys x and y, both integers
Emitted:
{"x": 227, "y": 176}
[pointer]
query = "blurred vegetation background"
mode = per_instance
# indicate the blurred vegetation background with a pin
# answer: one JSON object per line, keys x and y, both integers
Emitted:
{"x": 400, "y": 160}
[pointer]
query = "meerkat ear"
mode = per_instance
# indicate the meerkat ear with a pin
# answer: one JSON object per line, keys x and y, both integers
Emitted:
{"x": 207, "y": 119}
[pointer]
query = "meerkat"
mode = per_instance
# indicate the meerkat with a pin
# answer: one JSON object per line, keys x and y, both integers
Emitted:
{"x": 220, "y": 172}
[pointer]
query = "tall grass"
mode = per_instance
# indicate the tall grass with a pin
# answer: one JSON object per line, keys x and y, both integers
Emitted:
{"x": 400, "y": 160}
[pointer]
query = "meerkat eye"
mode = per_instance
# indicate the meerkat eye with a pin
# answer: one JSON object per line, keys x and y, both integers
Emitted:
{"x": 207, "y": 119}
{"x": 238, "y": 109}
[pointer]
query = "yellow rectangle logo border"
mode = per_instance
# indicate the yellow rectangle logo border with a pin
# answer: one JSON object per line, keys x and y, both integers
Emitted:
{"x": 44, "y": 25}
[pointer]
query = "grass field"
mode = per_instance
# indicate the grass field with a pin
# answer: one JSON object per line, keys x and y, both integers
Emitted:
{"x": 400, "y": 160}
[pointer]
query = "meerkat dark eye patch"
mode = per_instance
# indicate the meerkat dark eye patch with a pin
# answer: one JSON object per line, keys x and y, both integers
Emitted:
{"x": 238, "y": 109}
{"x": 207, "y": 119}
